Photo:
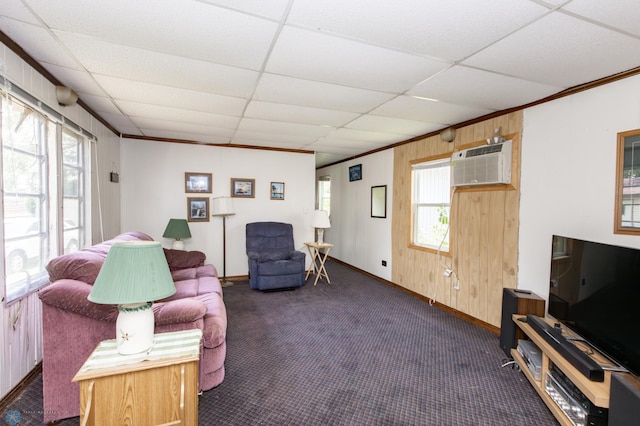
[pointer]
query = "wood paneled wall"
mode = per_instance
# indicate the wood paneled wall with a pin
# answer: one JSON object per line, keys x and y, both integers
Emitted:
{"x": 483, "y": 234}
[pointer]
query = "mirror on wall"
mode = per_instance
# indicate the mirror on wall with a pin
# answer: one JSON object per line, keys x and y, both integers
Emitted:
{"x": 379, "y": 201}
{"x": 627, "y": 208}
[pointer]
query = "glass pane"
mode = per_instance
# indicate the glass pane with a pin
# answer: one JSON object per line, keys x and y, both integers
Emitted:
{"x": 324, "y": 195}
{"x": 431, "y": 225}
{"x": 631, "y": 183}
{"x": 431, "y": 204}
{"x": 432, "y": 185}
{"x": 24, "y": 172}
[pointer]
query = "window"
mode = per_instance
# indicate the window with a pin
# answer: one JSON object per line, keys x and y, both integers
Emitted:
{"x": 324, "y": 194}
{"x": 43, "y": 215}
{"x": 627, "y": 208}
{"x": 431, "y": 204}
{"x": 560, "y": 247}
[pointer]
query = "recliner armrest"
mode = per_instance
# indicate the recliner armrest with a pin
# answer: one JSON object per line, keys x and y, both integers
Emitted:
{"x": 297, "y": 255}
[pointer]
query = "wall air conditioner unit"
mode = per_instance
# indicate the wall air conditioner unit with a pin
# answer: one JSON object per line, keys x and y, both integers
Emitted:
{"x": 483, "y": 165}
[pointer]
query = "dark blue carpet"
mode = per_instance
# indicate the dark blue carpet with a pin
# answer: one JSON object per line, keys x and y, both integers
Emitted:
{"x": 353, "y": 352}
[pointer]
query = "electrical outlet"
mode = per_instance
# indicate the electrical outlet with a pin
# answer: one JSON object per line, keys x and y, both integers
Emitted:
{"x": 456, "y": 285}
{"x": 554, "y": 283}
{"x": 384, "y": 263}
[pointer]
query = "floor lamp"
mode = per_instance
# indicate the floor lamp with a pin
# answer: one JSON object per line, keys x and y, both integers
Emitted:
{"x": 222, "y": 207}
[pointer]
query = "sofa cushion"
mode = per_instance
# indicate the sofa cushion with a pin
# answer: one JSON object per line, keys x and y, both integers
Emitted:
{"x": 81, "y": 266}
{"x": 180, "y": 259}
{"x": 184, "y": 274}
{"x": 215, "y": 320}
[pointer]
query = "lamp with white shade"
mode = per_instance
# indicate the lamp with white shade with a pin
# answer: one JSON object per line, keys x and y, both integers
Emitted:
{"x": 320, "y": 221}
{"x": 222, "y": 206}
{"x": 134, "y": 274}
{"x": 178, "y": 229}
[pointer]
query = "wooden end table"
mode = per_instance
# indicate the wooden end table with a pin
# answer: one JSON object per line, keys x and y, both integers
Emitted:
{"x": 318, "y": 259}
{"x": 156, "y": 387}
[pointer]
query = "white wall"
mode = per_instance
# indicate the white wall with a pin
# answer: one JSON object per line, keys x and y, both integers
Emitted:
{"x": 361, "y": 240}
{"x": 569, "y": 173}
{"x": 153, "y": 191}
{"x": 21, "y": 323}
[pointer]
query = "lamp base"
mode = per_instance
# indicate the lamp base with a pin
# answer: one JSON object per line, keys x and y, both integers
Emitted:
{"x": 134, "y": 328}
{"x": 178, "y": 245}
{"x": 320, "y": 236}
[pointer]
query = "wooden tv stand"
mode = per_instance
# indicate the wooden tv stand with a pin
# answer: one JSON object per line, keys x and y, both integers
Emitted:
{"x": 597, "y": 392}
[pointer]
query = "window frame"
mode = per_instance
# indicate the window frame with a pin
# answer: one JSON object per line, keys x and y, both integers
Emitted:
{"x": 444, "y": 159}
{"x": 49, "y": 215}
{"x": 619, "y": 207}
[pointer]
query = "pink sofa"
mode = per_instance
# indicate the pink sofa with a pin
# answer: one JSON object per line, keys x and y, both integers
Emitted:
{"x": 73, "y": 326}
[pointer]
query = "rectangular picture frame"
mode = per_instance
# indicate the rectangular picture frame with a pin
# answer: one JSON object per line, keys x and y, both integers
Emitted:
{"x": 199, "y": 183}
{"x": 355, "y": 172}
{"x": 197, "y": 209}
{"x": 243, "y": 188}
{"x": 277, "y": 190}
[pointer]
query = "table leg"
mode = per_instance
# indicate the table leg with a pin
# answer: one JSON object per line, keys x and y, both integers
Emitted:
{"x": 322, "y": 271}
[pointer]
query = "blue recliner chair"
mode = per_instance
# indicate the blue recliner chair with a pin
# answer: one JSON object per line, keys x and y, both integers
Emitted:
{"x": 274, "y": 263}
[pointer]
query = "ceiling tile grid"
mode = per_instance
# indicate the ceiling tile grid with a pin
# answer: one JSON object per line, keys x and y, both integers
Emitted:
{"x": 337, "y": 77}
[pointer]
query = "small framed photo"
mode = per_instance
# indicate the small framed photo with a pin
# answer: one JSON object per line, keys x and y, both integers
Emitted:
{"x": 243, "y": 188}
{"x": 197, "y": 209}
{"x": 277, "y": 190}
{"x": 355, "y": 172}
{"x": 197, "y": 182}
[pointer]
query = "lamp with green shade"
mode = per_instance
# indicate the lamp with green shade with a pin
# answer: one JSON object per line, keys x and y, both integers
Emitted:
{"x": 177, "y": 229}
{"x": 134, "y": 274}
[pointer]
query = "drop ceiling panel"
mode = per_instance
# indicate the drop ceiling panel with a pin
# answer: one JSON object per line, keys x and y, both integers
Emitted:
{"x": 298, "y": 114}
{"x": 15, "y": 9}
{"x": 399, "y": 126}
{"x": 187, "y": 28}
{"x": 432, "y": 112}
{"x": 189, "y": 117}
{"x": 469, "y": 86}
{"x": 320, "y": 57}
{"x": 439, "y": 29}
{"x": 272, "y": 139}
{"x": 156, "y": 127}
{"x": 199, "y": 138}
{"x": 123, "y": 123}
{"x": 366, "y": 136}
{"x": 293, "y": 129}
{"x": 153, "y": 67}
{"x": 337, "y": 77}
{"x": 38, "y": 43}
{"x": 102, "y": 105}
{"x": 622, "y": 14}
{"x": 295, "y": 91}
{"x": 560, "y": 50}
{"x": 121, "y": 89}
{"x": 273, "y": 9}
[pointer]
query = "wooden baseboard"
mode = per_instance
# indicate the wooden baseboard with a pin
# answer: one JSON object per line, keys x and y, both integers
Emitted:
{"x": 475, "y": 321}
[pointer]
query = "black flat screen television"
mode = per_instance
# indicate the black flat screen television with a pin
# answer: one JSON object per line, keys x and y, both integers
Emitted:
{"x": 594, "y": 290}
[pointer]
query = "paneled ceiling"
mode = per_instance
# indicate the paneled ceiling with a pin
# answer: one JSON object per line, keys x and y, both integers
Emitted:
{"x": 338, "y": 77}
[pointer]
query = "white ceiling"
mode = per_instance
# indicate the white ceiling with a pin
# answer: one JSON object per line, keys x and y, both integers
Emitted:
{"x": 339, "y": 77}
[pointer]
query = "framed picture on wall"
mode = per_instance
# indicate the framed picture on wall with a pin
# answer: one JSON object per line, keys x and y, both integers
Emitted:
{"x": 355, "y": 172}
{"x": 243, "y": 188}
{"x": 197, "y": 182}
{"x": 277, "y": 190}
{"x": 197, "y": 209}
